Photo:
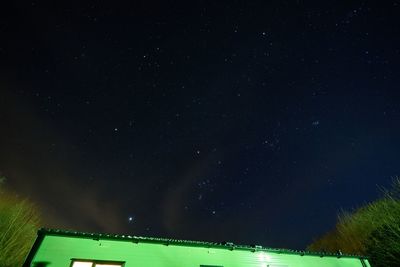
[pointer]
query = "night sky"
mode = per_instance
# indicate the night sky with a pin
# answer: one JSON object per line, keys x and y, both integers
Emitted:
{"x": 252, "y": 122}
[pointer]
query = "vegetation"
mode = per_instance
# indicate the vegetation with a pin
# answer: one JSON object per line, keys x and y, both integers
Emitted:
{"x": 19, "y": 221}
{"x": 372, "y": 230}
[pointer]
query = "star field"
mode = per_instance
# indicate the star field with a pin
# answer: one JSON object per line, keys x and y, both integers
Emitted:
{"x": 252, "y": 122}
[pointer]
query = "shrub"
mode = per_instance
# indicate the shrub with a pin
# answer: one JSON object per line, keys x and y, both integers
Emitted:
{"x": 383, "y": 244}
{"x": 19, "y": 221}
{"x": 372, "y": 230}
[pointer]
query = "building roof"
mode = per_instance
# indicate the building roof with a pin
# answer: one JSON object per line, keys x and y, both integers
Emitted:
{"x": 167, "y": 241}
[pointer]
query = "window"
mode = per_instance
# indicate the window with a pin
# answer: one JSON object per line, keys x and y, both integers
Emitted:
{"x": 82, "y": 264}
{"x": 95, "y": 263}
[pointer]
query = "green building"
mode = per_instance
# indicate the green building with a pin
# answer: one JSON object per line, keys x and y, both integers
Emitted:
{"x": 56, "y": 248}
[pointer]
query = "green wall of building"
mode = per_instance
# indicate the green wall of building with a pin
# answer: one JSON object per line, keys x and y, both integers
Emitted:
{"x": 57, "y": 251}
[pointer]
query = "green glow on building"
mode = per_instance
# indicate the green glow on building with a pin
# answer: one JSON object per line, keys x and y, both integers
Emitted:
{"x": 55, "y": 248}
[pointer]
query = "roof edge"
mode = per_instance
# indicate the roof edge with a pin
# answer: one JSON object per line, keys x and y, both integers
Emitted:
{"x": 34, "y": 249}
{"x": 167, "y": 241}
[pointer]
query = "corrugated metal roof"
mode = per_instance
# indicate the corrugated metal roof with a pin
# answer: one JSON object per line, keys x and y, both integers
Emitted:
{"x": 169, "y": 241}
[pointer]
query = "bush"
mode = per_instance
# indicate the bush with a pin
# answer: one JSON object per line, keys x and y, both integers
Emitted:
{"x": 383, "y": 246}
{"x": 19, "y": 221}
{"x": 372, "y": 230}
